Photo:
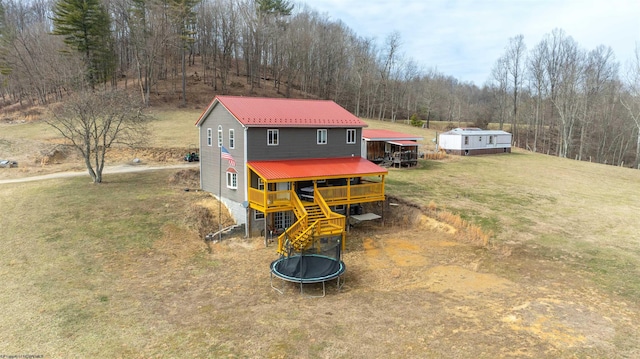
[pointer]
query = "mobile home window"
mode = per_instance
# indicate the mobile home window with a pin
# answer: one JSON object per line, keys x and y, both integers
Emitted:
{"x": 232, "y": 180}
{"x": 490, "y": 140}
{"x": 232, "y": 139}
{"x": 220, "y": 136}
{"x": 272, "y": 137}
{"x": 322, "y": 137}
{"x": 351, "y": 136}
{"x": 209, "y": 137}
{"x": 466, "y": 140}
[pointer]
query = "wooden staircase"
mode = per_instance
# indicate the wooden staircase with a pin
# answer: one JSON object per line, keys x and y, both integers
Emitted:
{"x": 314, "y": 220}
{"x": 314, "y": 213}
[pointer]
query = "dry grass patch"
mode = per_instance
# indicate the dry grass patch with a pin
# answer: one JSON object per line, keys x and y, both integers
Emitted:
{"x": 121, "y": 270}
{"x": 133, "y": 278}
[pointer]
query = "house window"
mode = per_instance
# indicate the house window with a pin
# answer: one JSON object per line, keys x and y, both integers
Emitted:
{"x": 466, "y": 140}
{"x": 351, "y": 136}
{"x": 220, "y": 136}
{"x": 322, "y": 137}
{"x": 232, "y": 179}
{"x": 272, "y": 137}
{"x": 258, "y": 215}
{"x": 480, "y": 139}
{"x": 209, "y": 137}
{"x": 490, "y": 140}
{"x": 260, "y": 184}
{"x": 232, "y": 139}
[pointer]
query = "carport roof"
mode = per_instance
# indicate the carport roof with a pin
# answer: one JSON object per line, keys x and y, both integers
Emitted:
{"x": 387, "y": 135}
{"x": 403, "y": 143}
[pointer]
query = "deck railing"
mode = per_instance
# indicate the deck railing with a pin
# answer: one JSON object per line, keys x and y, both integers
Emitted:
{"x": 333, "y": 221}
{"x": 373, "y": 191}
{"x": 274, "y": 201}
{"x": 270, "y": 201}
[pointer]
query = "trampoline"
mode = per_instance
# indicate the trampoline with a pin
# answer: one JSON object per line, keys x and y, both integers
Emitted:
{"x": 307, "y": 269}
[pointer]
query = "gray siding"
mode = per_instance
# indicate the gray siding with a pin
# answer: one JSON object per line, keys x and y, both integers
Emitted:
{"x": 301, "y": 143}
{"x": 211, "y": 171}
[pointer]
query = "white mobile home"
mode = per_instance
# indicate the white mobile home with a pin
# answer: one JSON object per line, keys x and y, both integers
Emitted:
{"x": 475, "y": 141}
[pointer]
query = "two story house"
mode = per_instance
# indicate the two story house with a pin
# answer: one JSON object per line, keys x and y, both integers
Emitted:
{"x": 287, "y": 165}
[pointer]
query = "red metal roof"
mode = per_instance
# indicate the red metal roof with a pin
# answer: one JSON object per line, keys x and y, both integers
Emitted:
{"x": 387, "y": 135}
{"x": 403, "y": 143}
{"x": 316, "y": 168}
{"x": 279, "y": 112}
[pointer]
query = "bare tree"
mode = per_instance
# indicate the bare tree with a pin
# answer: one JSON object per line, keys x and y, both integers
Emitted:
{"x": 565, "y": 69}
{"x": 388, "y": 63}
{"x": 93, "y": 122}
{"x": 537, "y": 88}
{"x": 599, "y": 87}
{"x": 148, "y": 29}
{"x": 632, "y": 101}
{"x": 500, "y": 77}
{"x": 515, "y": 57}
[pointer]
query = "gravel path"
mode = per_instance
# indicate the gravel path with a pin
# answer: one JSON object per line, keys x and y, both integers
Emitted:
{"x": 107, "y": 170}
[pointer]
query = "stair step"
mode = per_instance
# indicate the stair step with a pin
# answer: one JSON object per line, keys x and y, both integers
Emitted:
{"x": 314, "y": 212}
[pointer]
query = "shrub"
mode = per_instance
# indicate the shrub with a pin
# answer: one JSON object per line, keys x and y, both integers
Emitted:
{"x": 414, "y": 120}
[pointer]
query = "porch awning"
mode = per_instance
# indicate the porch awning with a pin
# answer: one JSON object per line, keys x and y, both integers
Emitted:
{"x": 314, "y": 168}
{"x": 403, "y": 143}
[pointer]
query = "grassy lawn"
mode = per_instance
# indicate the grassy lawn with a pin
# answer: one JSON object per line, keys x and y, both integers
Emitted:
{"x": 71, "y": 250}
{"x": 582, "y": 212}
{"x": 118, "y": 270}
{"x": 175, "y": 128}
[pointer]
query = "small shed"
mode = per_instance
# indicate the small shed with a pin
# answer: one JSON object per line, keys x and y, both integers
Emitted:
{"x": 390, "y": 148}
{"x": 475, "y": 141}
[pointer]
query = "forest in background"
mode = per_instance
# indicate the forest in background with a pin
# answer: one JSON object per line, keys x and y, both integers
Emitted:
{"x": 556, "y": 98}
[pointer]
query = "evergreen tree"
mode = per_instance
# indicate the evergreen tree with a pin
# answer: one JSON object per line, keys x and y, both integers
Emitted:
{"x": 85, "y": 25}
{"x": 274, "y": 7}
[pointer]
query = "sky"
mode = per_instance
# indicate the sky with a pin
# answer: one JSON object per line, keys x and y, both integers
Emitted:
{"x": 464, "y": 38}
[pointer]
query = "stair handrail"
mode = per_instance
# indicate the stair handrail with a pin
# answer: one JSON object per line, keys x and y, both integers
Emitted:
{"x": 332, "y": 218}
{"x": 298, "y": 227}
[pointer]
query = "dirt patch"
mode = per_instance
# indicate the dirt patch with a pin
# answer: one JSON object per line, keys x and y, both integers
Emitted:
{"x": 564, "y": 323}
{"x": 463, "y": 282}
{"x": 187, "y": 179}
{"x": 202, "y": 217}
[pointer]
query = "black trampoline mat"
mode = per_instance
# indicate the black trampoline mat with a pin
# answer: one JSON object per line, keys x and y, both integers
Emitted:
{"x": 310, "y": 268}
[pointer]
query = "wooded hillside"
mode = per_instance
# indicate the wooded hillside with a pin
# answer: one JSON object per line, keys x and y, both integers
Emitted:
{"x": 556, "y": 98}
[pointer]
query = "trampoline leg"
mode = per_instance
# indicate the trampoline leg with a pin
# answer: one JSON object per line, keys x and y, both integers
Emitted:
{"x": 340, "y": 284}
{"x": 324, "y": 291}
{"x": 281, "y": 291}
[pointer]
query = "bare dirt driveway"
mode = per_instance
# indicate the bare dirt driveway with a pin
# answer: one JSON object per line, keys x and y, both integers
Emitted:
{"x": 122, "y": 168}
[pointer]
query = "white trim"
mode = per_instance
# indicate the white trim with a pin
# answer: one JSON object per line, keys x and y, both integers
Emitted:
{"x": 270, "y": 137}
{"x": 231, "y": 178}
{"x": 232, "y": 138}
{"x": 322, "y": 137}
{"x": 355, "y": 133}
